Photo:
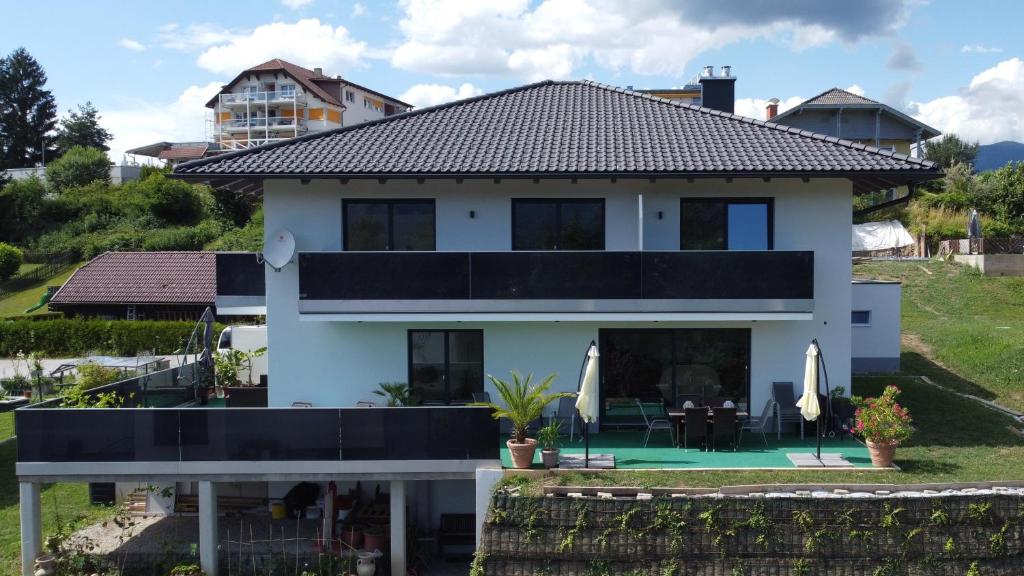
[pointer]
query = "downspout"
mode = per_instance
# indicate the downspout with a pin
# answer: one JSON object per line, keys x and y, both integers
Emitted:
{"x": 640, "y": 222}
{"x": 839, "y": 123}
{"x": 878, "y": 128}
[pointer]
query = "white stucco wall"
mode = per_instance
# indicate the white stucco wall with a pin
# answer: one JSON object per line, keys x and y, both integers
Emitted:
{"x": 338, "y": 363}
{"x": 876, "y": 346}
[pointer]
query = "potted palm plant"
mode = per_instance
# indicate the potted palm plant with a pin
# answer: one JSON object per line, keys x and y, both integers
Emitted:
{"x": 396, "y": 393}
{"x": 523, "y": 402}
{"x": 883, "y": 424}
{"x": 548, "y": 438}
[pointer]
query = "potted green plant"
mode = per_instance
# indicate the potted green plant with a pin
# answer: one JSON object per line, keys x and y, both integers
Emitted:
{"x": 548, "y": 438}
{"x": 883, "y": 424}
{"x": 396, "y": 393}
{"x": 523, "y": 402}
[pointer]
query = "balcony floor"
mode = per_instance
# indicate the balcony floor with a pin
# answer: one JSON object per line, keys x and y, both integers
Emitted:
{"x": 627, "y": 447}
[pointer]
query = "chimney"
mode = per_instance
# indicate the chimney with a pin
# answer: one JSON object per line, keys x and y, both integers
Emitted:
{"x": 718, "y": 92}
{"x": 772, "y": 109}
{"x": 318, "y": 71}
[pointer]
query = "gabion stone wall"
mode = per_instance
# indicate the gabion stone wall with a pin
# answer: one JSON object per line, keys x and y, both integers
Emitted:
{"x": 980, "y": 535}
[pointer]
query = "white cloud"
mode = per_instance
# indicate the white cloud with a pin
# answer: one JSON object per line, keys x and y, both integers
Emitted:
{"x": 423, "y": 95}
{"x": 358, "y": 9}
{"x": 554, "y": 38}
{"x": 855, "y": 89}
{"x": 193, "y": 37}
{"x": 133, "y": 45}
{"x": 988, "y": 110}
{"x": 307, "y": 43}
{"x": 756, "y": 107}
{"x": 144, "y": 122}
{"x": 979, "y": 49}
{"x": 296, "y": 4}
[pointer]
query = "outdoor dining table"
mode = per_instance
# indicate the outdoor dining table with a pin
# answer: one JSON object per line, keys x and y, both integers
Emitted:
{"x": 678, "y": 417}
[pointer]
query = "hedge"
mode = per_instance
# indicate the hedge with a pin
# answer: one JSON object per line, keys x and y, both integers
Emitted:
{"x": 79, "y": 337}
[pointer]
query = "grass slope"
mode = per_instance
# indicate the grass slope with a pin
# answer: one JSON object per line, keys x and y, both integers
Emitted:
{"x": 18, "y": 302}
{"x": 971, "y": 326}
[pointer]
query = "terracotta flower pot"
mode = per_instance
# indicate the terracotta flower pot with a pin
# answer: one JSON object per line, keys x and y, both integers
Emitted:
{"x": 522, "y": 454}
{"x": 550, "y": 457}
{"x": 374, "y": 539}
{"x": 882, "y": 453}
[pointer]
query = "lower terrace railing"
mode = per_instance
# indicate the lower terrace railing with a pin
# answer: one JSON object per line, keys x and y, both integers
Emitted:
{"x": 54, "y": 435}
{"x": 1004, "y": 245}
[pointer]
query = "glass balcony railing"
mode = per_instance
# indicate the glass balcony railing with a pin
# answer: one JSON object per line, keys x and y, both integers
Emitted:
{"x": 256, "y": 434}
{"x": 267, "y": 96}
{"x": 265, "y": 122}
{"x": 623, "y": 277}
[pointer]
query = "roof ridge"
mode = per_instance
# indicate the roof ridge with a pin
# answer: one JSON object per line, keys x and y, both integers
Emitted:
{"x": 363, "y": 125}
{"x": 747, "y": 120}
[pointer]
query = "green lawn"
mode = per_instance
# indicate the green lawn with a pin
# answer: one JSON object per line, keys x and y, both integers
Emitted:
{"x": 971, "y": 327}
{"x": 61, "y": 503}
{"x": 955, "y": 440}
{"x": 18, "y": 302}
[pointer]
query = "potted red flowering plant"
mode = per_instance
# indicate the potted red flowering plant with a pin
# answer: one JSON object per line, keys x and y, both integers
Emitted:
{"x": 883, "y": 424}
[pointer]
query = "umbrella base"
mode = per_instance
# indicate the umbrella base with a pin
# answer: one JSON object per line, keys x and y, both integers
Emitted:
{"x": 597, "y": 461}
{"x": 809, "y": 460}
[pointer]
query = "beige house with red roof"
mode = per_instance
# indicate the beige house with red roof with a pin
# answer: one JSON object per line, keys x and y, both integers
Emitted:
{"x": 278, "y": 100}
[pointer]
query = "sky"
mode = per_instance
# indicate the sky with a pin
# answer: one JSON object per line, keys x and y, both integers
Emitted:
{"x": 150, "y": 67}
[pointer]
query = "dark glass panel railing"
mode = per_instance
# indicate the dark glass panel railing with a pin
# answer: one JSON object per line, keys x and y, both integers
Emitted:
{"x": 240, "y": 274}
{"x": 729, "y": 275}
{"x": 383, "y": 276}
{"x": 555, "y": 275}
{"x": 97, "y": 435}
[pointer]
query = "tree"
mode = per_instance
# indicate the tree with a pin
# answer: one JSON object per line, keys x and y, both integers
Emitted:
{"x": 20, "y": 204}
{"x": 11, "y": 259}
{"x": 82, "y": 128}
{"x": 28, "y": 112}
{"x": 80, "y": 166}
{"x": 950, "y": 150}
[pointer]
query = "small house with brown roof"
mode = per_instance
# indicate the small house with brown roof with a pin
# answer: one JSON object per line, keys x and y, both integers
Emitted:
{"x": 278, "y": 100}
{"x": 140, "y": 286}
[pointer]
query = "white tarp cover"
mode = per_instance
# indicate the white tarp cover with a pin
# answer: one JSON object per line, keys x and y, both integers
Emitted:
{"x": 880, "y": 236}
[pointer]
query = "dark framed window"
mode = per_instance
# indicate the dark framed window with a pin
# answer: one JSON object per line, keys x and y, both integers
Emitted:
{"x": 726, "y": 223}
{"x": 373, "y": 225}
{"x": 558, "y": 223}
{"x": 860, "y": 317}
{"x": 705, "y": 366}
{"x": 446, "y": 366}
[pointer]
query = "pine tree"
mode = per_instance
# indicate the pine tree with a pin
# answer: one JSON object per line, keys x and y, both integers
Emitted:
{"x": 28, "y": 112}
{"x": 82, "y": 128}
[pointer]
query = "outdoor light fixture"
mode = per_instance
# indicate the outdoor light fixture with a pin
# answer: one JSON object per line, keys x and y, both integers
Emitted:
{"x": 660, "y": 214}
{"x": 472, "y": 213}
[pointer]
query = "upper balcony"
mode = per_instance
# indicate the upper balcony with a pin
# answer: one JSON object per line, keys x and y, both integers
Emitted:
{"x": 264, "y": 124}
{"x": 244, "y": 99}
{"x": 563, "y": 285}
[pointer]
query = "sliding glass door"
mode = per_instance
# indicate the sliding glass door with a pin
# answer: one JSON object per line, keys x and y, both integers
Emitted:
{"x": 670, "y": 366}
{"x": 446, "y": 366}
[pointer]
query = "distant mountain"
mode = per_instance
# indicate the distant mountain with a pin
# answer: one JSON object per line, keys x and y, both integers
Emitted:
{"x": 993, "y": 156}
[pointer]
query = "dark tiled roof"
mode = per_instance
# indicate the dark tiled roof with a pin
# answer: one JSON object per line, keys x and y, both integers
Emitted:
{"x": 561, "y": 129}
{"x": 143, "y": 278}
{"x": 303, "y": 76}
{"x": 839, "y": 96}
{"x": 185, "y": 152}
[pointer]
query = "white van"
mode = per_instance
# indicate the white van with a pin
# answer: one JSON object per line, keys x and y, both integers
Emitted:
{"x": 246, "y": 339}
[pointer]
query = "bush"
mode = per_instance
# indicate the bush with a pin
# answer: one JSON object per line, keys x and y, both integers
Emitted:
{"x": 182, "y": 238}
{"x": 21, "y": 202}
{"x": 11, "y": 259}
{"x": 93, "y": 376}
{"x": 173, "y": 201}
{"x": 246, "y": 239}
{"x": 79, "y": 337}
{"x": 77, "y": 167}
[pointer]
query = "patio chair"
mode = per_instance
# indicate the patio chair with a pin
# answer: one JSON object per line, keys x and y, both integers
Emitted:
{"x": 565, "y": 414}
{"x": 786, "y": 411}
{"x": 723, "y": 427}
{"x": 695, "y": 430}
{"x": 758, "y": 423}
{"x": 655, "y": 424}
{"x": 365, "y": 404}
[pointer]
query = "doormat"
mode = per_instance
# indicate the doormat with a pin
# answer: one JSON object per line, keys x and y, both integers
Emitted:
{"x": 599, "y": 461}
{"x": 809, "y": 460}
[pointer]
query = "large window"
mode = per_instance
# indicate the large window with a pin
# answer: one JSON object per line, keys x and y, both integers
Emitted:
{"x": 557, "y": 224}
{"x": 706, "y": 366}
{"x": 725, "y": 224}
{"x": 389, "y": 225}
{"x": 446, "y": 366}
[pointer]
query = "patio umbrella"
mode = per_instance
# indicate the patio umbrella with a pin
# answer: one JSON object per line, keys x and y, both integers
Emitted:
{"x": 974, "y": 225}
{"x": 587, "y": 401}
{"x": 809, "y": 406}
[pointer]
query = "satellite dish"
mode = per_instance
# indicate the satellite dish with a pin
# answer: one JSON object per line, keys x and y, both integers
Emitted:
{"x": 279, "y": 249}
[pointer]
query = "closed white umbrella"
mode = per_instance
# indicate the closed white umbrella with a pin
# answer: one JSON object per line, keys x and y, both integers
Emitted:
{"x": 808, "y": 403}
{"x": 587, "y": 400}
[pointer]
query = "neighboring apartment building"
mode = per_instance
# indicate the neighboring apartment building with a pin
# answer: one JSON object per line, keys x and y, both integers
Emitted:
{"x": 278, "y": 100}
{"x": 701, "y": 251}
{"x": 846, "y": 115}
